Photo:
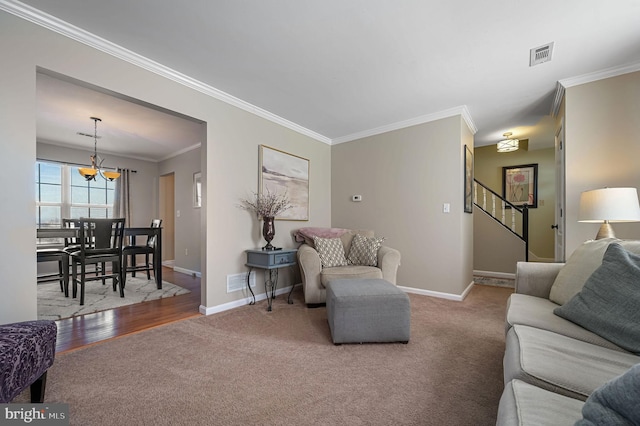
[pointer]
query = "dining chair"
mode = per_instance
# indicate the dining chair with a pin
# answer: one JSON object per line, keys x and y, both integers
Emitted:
{"x": 103, "y": 244}
{"x": 148, "y": 249}
{"x": 55, "y": 254}
{"x": 72, "y": 244}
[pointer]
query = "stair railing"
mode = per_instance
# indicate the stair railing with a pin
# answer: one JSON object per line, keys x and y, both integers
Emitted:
{"x": 513, "y": 218}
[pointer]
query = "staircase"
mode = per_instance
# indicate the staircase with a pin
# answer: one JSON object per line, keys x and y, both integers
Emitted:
{"x": 511, "y": 217}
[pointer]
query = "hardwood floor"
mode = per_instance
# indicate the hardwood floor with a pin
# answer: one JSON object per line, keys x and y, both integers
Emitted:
{"x": 77, "y": 332}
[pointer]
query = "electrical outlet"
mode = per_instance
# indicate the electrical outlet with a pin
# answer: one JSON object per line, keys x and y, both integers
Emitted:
{"x": 446, "y": 208}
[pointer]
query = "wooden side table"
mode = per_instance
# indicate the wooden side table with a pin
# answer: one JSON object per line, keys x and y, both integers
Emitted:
{"x": 271, "y": 261}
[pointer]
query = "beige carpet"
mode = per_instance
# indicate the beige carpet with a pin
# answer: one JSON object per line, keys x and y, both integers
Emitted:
{"x": 251, "y": 367}
{"x": 54, "y": 306}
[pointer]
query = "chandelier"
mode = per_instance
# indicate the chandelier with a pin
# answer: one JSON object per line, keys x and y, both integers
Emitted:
{"x": 89, "y": 173}
{"x": 508, "y": 144}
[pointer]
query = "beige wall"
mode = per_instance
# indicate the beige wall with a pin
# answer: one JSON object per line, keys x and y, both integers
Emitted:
{"x": 405, "y": 177}
{"x": 229, "y": 160}
{"x": 602, "y": 141}
{"x": 187, "y": 231}
{"x": 495, "y": 249}
{"x": 488, "y": 170}
{"x": 166, "y": 213}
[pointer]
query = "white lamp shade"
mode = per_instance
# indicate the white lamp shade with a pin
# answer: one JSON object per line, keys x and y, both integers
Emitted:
{"x": 508, "y": 145}
{"x": 609, "y": 204}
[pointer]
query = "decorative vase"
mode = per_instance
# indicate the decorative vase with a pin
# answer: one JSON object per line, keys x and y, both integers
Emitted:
{"x": 268, "y": 231}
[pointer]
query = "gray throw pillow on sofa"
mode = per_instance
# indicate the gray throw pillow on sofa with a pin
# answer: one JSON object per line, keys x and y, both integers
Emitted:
{"x": 608, "y": 303}
{"x": 614, "y": 403}
{"x": 579, "y": 267}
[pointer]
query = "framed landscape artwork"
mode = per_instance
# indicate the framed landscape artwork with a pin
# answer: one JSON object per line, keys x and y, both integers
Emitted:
{"x": 281, "y": 172}
{"x": 520, "y": 185}
{"x": 468, "y": 180}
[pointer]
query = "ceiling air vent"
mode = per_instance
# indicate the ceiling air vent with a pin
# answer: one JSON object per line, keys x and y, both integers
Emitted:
{"x": 540, "y": 54}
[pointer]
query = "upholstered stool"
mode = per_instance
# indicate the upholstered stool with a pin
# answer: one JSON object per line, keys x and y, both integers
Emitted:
{"x": 367, "y": 310}
{"x": 27, "y": 350}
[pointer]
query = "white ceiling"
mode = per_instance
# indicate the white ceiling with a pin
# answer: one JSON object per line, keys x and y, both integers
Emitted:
{"x": 130, "y": 129}
{"x": 342, "y": 68}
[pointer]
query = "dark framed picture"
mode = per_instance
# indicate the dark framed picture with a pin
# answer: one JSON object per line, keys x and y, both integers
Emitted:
{"x": 520, "y": 185}
{"x": 468, "y": 180}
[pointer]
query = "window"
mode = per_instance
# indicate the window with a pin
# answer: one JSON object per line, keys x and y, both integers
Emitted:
{"x": 62, "y": 192}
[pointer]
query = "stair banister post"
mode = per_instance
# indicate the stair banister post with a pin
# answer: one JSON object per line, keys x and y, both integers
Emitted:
{"x": 525, "y": 231}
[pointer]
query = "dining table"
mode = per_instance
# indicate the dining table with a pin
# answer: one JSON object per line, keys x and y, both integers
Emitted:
{"x": 130, "y": 234}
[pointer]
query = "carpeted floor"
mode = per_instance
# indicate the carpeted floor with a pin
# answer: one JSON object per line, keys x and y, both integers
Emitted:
{"x": 247, "y": 366}
{"x": 54, "y": 306}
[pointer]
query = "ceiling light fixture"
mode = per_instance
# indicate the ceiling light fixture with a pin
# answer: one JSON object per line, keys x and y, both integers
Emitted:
{"x": 508, "y": 144}
{"x": 89, "y": 173}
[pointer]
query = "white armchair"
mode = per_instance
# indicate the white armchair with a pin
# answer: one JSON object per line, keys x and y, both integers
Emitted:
{"x": 315, "y": 277}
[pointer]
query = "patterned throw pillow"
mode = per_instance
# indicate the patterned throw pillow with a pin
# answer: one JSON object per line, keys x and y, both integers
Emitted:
{"x": 331, "y": 251}
{"x": 364, "y": 250}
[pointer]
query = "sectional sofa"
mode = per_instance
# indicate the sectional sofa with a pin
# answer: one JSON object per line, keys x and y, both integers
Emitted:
{"x": 572, "y": 352}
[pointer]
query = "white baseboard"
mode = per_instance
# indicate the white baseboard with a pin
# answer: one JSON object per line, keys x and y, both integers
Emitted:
{"x": 188, "y": 272}
{"x": 261, "y": 296}
{"x": 438, "y": 294}
{"x": 506, "y": 275}
{"x": 240, "y": 302}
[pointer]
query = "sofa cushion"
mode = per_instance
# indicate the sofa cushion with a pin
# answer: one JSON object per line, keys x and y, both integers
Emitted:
{"x": 578, "y": 268}
{"x": 348, "y": 272}
{"x": 608, "y": 303}
{"x": 364, "y": 250}
{"x": 615, "y": 402}
{"x": 561, "y": 364}
{"x": 538, "y": 312}
{"x": 581, "y": 264}
{"x": 525, "y": 404}
{"x": 331, "y": 251}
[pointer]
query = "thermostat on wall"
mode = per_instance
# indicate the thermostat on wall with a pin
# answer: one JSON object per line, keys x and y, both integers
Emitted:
{"x": 356, "y": 198}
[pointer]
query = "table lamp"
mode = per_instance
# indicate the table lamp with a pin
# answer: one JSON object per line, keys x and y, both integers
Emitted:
{"x": 609, "y": 205}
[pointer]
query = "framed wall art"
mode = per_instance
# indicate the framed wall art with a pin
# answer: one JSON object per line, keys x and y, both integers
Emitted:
{"x": 281, "y": 172}
{"x": 520, "y": 185}
{"x": 468, "y": 180}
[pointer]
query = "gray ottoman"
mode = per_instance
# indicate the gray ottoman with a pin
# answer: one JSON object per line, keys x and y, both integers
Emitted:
{"x": 367, "y": 310}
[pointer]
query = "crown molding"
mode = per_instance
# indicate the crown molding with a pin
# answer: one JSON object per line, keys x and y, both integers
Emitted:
{"x": 557, "y": 99}
{"x": 460, "y": 110}
{"x": 600, "y": 75}
{"x": 102, "y": 151}
{"x": 59, "y": 26}
{"x": 182, "y": 151}
{"x": 564, "y": 84}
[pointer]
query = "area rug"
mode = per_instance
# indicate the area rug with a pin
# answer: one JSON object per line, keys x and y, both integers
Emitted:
{"x": 53, "y": 305}
{"x": 494, "y": 281}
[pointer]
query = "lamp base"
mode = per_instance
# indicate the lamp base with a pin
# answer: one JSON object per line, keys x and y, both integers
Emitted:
{"x": 605, "y": 231}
